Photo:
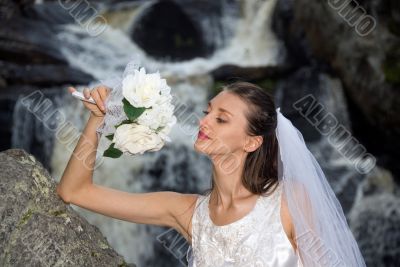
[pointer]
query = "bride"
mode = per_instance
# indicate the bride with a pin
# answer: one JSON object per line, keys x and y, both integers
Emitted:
{"x": 269, "y": 204}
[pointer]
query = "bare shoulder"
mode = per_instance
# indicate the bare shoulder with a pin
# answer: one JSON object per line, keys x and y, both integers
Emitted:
{"x": 182, "y": 210}
{"x": 287, "y": 222}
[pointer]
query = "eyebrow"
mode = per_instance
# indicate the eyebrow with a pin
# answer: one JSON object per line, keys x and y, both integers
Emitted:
{"x": 221, "y": 109}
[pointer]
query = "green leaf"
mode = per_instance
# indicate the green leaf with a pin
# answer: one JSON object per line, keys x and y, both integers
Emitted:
{"x": 110, "y": 137}
{"x": 159, "y": 128}
{"x": 132, "y": 112}
{"x": 112, "y": 152}
{"x": 123, "y": 122}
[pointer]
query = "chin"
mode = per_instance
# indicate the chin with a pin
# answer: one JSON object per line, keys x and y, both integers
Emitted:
{"x": 198, "y": 146}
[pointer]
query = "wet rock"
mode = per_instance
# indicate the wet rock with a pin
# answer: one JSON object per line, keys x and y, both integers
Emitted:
{"x": 375, "y": 219}
{"x": 365, "y": 57}
{"x": 27, "y": 41}
{"x": 228, "y": 72}
{"x": 299, "y": 52}
{"x": 9, "y": 9}
{"x": 313, "y": 91}
{"x": 37, "y": 228}
{"x": 166, "y": 32}
{"x": 41, "y": 74}
{"x": 320, "y": 86}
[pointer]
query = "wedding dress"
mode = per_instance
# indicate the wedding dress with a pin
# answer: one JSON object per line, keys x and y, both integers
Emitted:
{"x": 257, "y": 239}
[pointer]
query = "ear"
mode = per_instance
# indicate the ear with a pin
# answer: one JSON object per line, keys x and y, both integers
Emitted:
{"x": 253, "y": 143}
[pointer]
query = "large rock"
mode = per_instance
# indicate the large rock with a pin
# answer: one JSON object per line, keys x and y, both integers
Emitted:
{"x": 229, "y": 72}
{"x": 366, "y": 61}
{"x": 29, "y": 41}
{"x": 165, "y": 31}
{"x": 37, "y": 228}
{"x": 9, "y": 9}
{"x": 375, "y": 219}
{"x": 299, "y": 52}
{"x": 41, "y": 74}
{"x": 30, "y": 50}
{"x": 327, "y": 90}
{"x": 313, "y": 83}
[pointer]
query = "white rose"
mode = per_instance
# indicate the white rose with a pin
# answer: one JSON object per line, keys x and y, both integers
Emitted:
{"x": 167, "y": 129}
{"x": 143, "y": 90}
{"x": 136, "y": 139}
{"x": 158, "y": 116}
{"x": 164, "y": 88}
{"x": 164, "y": 99}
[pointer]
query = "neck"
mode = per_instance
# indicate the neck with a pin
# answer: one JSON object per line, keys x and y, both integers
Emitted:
{"x": 227, "y": 175}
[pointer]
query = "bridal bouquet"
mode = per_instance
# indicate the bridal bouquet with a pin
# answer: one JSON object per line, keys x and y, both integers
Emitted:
{"x": 144, "y": 112}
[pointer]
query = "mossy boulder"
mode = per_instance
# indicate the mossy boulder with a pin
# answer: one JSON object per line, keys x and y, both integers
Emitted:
{"x": 37, "y": 228}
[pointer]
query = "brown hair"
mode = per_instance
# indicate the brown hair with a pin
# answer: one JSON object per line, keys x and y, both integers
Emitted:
{"x": 260, "y": 173}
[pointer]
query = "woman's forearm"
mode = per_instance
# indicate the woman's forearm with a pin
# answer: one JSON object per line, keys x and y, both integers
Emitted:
{"x": 80, "y": 167}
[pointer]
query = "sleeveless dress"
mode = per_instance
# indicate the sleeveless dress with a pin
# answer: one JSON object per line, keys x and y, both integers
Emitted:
{"x": 257, "y": 239}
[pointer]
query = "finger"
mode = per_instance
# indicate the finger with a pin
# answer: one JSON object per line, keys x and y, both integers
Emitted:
{"x": 86, "y": 92}
{"x": 71, "y": 89}
{"x": 88, "y": 105}
{"x": 92, "y": 107}
{"x": 96, "y": 96}
{"x": 103, "y": 92}
{"x": 104, "y": 89}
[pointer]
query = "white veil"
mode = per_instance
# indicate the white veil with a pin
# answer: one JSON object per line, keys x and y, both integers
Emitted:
{"x": 322, "y": 234}
{"x": 115, "y": 113}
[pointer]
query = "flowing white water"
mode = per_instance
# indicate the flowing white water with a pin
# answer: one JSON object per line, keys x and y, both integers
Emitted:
{"x": 253, "y": 44}
{"x": 177, "y": 166}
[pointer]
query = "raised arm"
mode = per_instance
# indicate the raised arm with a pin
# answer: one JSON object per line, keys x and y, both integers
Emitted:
{"x": 79, "y": 171}
{"x": 165, "y": 208}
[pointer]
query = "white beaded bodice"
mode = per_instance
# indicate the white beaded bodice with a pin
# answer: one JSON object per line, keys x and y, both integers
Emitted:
{"x": 257, "y": 239}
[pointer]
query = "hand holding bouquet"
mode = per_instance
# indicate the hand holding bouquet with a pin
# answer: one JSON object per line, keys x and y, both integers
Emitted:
{"x": 147, "y": 105}
{"x": 138, "y": 114}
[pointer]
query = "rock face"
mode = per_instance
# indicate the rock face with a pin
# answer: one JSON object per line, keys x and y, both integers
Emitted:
{"x": 375, "y": 219}
{"x": 37, "y": 228}
{"x": 29, "y": 47}
{"x": 327, "y": 91}
{"x": 165, "y": 31}
{"x": 227, "y": 72}
{"x": 30, "y": 56}
{"x": 365, "y": 59}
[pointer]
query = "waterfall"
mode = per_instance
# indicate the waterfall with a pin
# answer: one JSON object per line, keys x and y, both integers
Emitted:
{"x": 253, "y": 43}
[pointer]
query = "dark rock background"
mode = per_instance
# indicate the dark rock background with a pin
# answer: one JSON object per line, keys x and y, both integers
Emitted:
{"x": 321, "y": 44}
{"x": 185, "y": 42}
{"x": 367, "y": 65}
{"x": 30, "y": 59}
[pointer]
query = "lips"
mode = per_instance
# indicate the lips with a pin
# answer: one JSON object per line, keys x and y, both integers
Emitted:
{"x": 202, "y": 135}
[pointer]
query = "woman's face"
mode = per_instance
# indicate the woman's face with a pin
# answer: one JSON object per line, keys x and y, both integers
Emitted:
{"x": 224, "y": 122}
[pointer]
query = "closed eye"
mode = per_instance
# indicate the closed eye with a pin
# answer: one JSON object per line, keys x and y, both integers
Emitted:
{"x": 219, "y": 120}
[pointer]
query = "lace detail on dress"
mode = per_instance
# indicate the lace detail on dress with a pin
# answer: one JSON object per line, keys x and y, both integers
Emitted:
{"x": 257, "y": 239}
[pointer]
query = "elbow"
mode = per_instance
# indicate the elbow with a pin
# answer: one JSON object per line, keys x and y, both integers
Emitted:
{"x": 65, "y": 197}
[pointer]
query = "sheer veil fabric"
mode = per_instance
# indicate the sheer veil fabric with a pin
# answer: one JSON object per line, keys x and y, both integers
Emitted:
{"x": 115, "y": 113}
{"x": 322, "y": 234}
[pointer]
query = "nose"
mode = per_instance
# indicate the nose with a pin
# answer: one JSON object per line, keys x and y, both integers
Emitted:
{"x": 203, "y": 122}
